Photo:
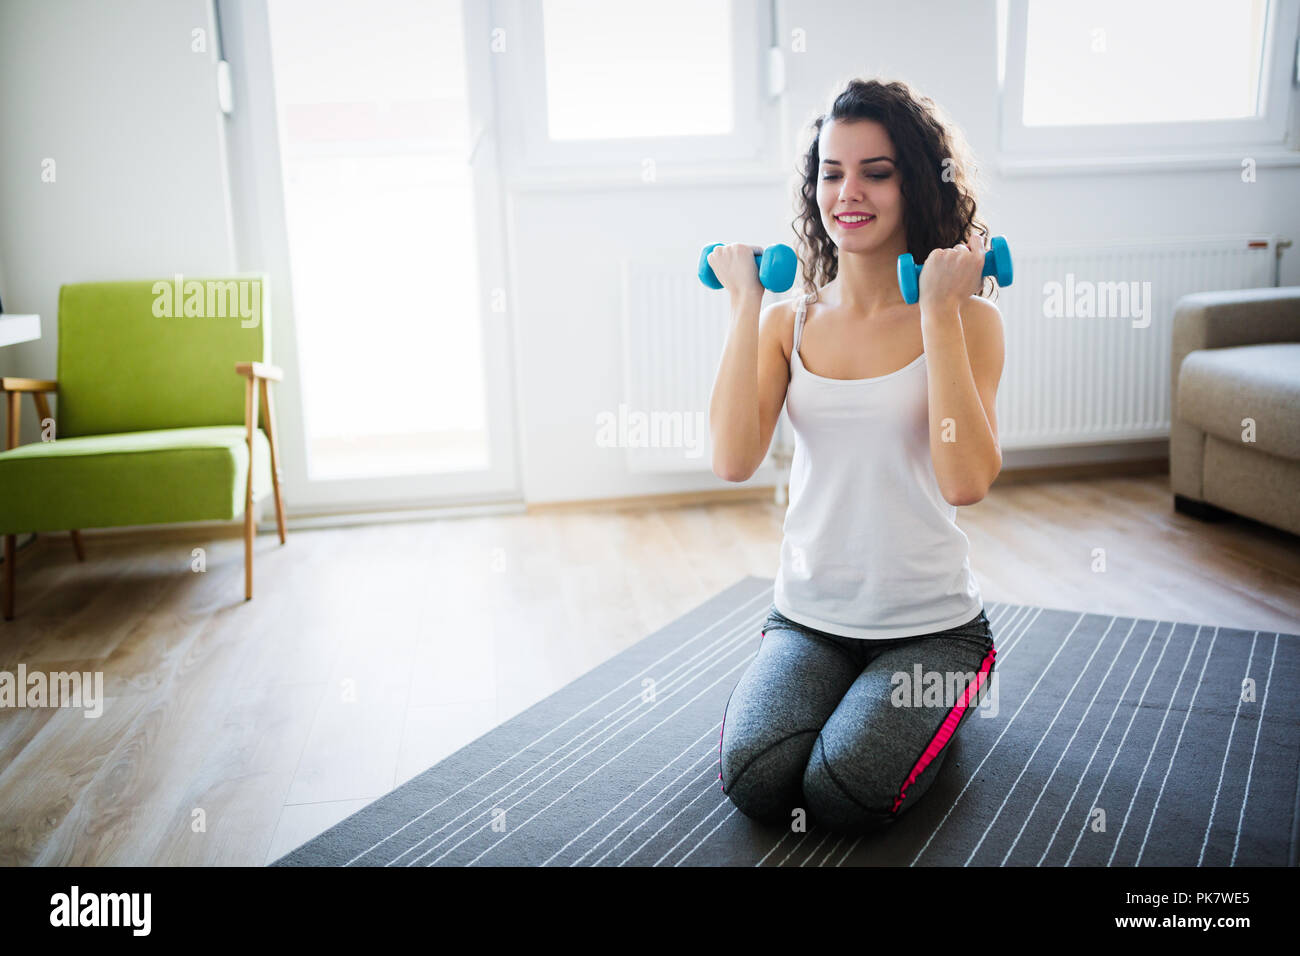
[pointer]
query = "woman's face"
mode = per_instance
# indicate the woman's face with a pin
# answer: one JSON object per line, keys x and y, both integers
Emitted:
{"x": 858, "y": 176}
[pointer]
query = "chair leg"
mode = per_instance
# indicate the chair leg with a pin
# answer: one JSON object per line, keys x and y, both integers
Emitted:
{"x": 78, "y": 545}
{"x": 268, "y": 414}
{"x": 248, "y": 552}
{"x": 250, "y": 420}
{"x": 11, "y": 553}
{"x": 13, "y": 418}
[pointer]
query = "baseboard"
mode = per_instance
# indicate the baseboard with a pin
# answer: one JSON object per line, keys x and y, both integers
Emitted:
{"x": 1083, "y": 470}
{"x": 1008, "y": 476}
{"x": 181, "y": 530}
{"x": 675, "y": 499}
{"x": 345, "y": 519}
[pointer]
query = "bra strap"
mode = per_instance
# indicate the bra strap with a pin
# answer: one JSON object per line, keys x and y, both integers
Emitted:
{"x": 800, "y": 310}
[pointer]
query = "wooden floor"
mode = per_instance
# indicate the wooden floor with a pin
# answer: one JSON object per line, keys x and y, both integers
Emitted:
{"x": 232, "y": 731}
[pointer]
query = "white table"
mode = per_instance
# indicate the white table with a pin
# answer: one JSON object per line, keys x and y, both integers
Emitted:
{"x": 19, "y": 328}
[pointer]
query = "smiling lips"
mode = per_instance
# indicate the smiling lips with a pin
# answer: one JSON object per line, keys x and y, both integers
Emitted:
{"x": 854, "y": 220}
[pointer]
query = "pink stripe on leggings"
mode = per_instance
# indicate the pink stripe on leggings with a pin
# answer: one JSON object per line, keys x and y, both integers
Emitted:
{"x": 946, "y": 729}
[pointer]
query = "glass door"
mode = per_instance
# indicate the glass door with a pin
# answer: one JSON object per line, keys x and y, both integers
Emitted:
{"x": 363, "y": 137}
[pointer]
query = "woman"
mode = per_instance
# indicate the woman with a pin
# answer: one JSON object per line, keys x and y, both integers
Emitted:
{"x": 892, "y": 407}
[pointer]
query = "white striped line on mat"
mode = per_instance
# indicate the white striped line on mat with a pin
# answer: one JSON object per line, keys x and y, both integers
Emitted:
{"x": 737, "y": 640}
{"x": 761, "y": 596}
{"x": 1042, "y": 739}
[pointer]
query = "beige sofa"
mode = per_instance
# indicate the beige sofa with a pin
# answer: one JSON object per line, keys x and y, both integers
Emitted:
{"x": 1236, "y": 356}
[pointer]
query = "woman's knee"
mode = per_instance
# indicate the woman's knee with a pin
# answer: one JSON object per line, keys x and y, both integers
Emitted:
{"x": 762, "y": 774}
{"x": 771, "y": 718}
{"x": 850, "y": 787}
{"x": 852, "y": 796}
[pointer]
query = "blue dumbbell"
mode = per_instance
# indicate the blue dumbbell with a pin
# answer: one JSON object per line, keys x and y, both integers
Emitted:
{"x": 776, "y": 267}
{"x": 997, "y": 263}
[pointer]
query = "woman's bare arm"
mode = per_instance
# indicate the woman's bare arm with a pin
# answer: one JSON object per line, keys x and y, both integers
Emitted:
{"x": 750, "y": 387}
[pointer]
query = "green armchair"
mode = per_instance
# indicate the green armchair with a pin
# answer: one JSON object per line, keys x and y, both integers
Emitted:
{"x": 153, "y": 425}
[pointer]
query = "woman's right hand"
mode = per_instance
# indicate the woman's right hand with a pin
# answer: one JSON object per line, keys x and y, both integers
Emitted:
{"x": 733, "y": 263}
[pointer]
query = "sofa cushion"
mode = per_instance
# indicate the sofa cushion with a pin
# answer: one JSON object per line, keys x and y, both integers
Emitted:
{"x": 130, "y": 478}
{"x": 1217, "y": 388}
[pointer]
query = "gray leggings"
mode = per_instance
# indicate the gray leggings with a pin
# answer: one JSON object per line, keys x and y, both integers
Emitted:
{"x": 842, "y": 727}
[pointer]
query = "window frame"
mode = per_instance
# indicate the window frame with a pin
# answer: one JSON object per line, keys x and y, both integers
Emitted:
{"x": 261, "y": 241}
{"x": 524, "y": 70}
{"x": 1272, "y": 130}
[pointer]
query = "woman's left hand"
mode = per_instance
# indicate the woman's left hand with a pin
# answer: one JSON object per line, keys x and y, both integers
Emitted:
{"x": 949, "y": 276}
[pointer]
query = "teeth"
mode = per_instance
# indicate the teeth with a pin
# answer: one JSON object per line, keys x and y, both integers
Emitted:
{"x": 853, "y": 218}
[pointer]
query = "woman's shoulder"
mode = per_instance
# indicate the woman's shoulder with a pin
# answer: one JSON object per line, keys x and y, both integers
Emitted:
{"x": 981, "y": 308}
{"x": 777, "y": 321}
{"x": 981, "y": 318}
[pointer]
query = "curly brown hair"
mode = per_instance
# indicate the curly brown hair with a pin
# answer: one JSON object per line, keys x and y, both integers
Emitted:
{"x": 936, "y": 168}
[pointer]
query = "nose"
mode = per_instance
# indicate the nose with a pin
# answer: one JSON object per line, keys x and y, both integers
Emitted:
{"x": 850, "y": 189}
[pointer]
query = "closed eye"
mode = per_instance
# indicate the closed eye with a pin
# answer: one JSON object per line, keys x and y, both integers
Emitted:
{"x": 870, "y": 176}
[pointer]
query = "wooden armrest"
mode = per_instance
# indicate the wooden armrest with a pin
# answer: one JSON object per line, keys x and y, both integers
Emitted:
{"x": 263, "y": 370}
{"x": 11, "y": 384}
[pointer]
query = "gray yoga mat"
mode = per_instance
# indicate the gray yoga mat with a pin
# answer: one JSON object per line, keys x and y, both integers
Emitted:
{"x": 1114, "y": 741}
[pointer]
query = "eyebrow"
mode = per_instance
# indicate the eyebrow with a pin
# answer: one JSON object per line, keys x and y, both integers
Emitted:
{"x": 873, "y": 159}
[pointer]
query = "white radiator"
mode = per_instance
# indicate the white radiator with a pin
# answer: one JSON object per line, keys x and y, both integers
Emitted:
{"x": 1074, "y": 373}
{"x": 673, "y": 333}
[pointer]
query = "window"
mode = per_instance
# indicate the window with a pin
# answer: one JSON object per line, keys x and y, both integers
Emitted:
{"x": 1115, "y": 76}
{"x": 621, "y": 71}
{"x": 374, "y": 132}
{"x": 597, "y": 83}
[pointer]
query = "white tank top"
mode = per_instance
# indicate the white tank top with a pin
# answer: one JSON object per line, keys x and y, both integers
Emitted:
{"x": 871, "y": 549}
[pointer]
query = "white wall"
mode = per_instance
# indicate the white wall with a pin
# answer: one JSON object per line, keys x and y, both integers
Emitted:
{"x": 112, "y": 93}
{"x": 568, "y": 307}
